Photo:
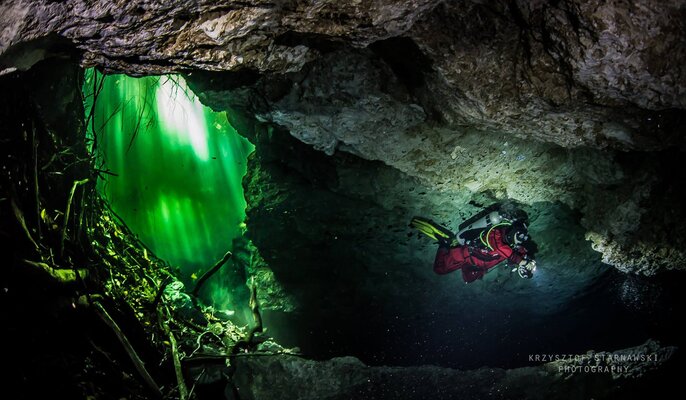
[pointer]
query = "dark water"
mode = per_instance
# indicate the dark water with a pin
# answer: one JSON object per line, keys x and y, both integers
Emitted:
{"x": 618, "y": 311}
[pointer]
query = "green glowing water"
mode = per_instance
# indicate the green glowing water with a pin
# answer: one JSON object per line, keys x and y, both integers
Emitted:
{"x": 178, "y": 167}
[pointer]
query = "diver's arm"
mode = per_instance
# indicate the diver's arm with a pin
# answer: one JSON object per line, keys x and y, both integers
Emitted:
{"x": 513, "y": 256}
{"x": 518, "y": 255}
{"x": 495, "y": 240}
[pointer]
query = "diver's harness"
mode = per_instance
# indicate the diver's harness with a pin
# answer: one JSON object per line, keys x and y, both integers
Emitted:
{"x": 475, "y": 227}
{"x": 474, "y": 235}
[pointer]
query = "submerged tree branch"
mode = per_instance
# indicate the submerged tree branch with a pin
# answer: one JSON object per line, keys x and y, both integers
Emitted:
{"x": 255, "y": 309}
{"x": 183, "y": 389}
{"x": 34, "y": 142}
{"x": 160, "y": 291}
{"x": 210, "y": 272}
{"x": 257, "y": 328}
{"x": 176, "y": 359}
{"x": 137, "y": 362}
{"x": 22, "y": 222}
{"x": 63, "y": 276}
{"x": 68, "y": 210}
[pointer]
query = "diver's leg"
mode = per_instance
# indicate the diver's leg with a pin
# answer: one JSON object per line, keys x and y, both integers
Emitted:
{"x": 447, "y": 260}
{"x": 470, "y": 274}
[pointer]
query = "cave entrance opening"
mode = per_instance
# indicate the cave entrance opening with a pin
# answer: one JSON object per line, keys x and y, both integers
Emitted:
{"x": 171, "y": 168}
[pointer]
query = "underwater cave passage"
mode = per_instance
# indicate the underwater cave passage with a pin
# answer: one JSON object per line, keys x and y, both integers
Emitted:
{"x": 171, "y": 168}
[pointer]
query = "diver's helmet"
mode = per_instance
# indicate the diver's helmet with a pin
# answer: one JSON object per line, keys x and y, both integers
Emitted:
{"x": 517, "y": 233}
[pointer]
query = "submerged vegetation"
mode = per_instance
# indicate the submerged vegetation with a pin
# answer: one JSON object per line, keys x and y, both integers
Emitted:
{"x": 115, "y": 310}
{"x": 172, "y": 168}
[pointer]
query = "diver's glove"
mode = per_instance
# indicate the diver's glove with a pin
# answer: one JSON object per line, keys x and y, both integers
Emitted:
{"x": 526, "y": 268}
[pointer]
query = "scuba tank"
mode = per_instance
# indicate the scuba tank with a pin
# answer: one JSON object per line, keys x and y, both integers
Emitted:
{"x": 472, "y": 231}
{"x": 475, "y": 230}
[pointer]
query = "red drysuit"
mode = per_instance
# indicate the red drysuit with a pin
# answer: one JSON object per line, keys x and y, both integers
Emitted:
{"x": 474, "y": 261}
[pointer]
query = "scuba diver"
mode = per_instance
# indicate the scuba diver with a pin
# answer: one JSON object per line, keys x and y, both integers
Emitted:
{"x": 483, "y": 241}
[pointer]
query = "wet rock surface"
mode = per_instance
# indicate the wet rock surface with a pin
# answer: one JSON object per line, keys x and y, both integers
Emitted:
{"x": 342, "y": 227}
{"x": 466, "y": 96}
{"x": 589, "y": 375}
{"x": 151, "y": 37}
{"x": 367, "y": 113}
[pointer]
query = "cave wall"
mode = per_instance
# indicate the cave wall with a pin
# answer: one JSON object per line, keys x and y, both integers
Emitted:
{"x": 290, "y": 182}
{"x": 342, "y": 222}
{"x": 346, "y": 377}
{"x": 334, "y": 259}
{"x": 573, "y": 109}
{"x": 609, "y": 189}
{"x": 442, "y": 109}
{"x": 150, "y": 37}
{"x": 366, "y": 113}
{"x": 467, "y": 96}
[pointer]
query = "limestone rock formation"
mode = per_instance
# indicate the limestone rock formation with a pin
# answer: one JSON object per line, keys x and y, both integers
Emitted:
{"x": 150, "y": 37}
{"x": 365, "y": 113}
{"x": 594, "y": 374}
{"x": 498, "y": 126}
{"x": 472, "y": 97}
